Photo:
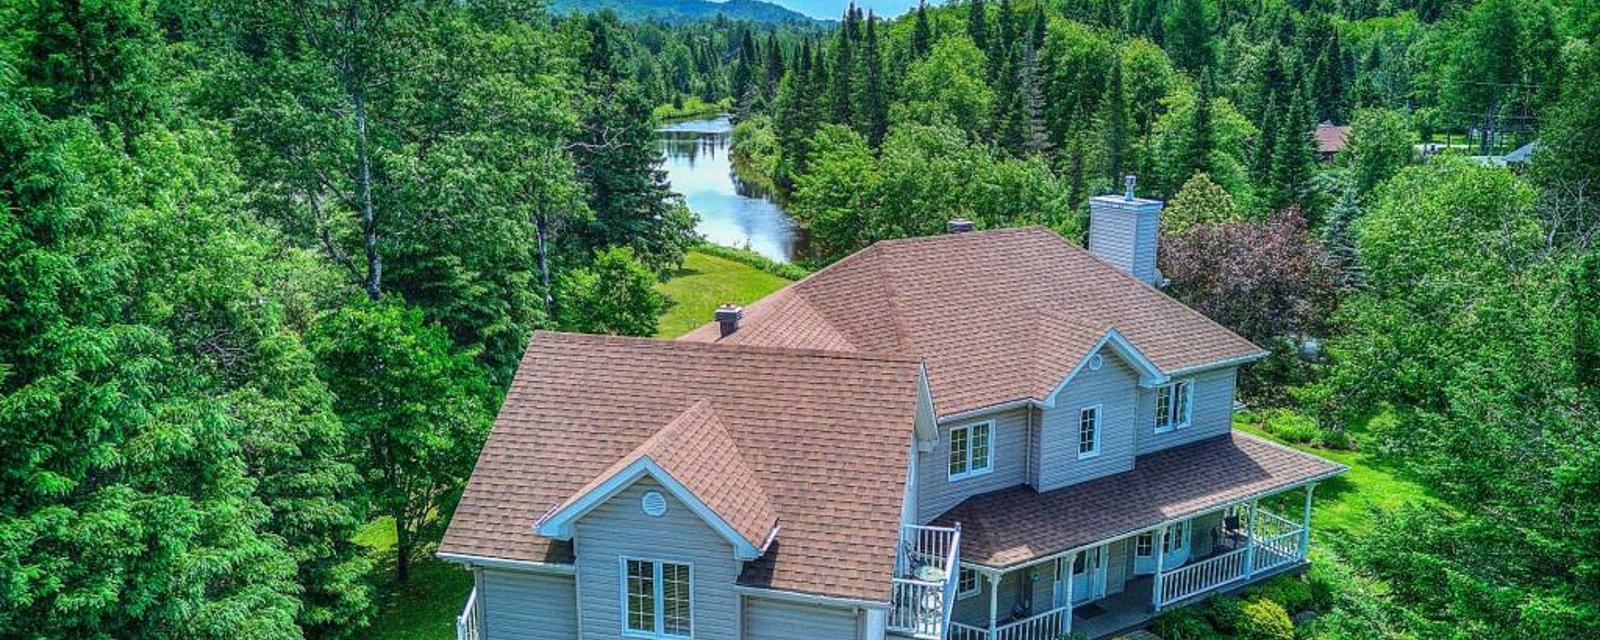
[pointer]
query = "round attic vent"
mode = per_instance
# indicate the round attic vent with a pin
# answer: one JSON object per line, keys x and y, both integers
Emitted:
{"x": 654, "y": 504}
{"x": 1095, "y": 362}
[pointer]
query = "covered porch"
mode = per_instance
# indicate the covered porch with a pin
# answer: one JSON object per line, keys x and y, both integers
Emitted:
{"x": 1093, "y": 564}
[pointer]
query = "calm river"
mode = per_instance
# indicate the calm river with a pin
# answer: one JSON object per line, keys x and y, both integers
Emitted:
{"x": 731, "y": 211}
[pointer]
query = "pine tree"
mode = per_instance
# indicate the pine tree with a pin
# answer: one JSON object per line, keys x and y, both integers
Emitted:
{"x": 1200, "y": 140}
{"x": 1036, "y": 32}
{"x": 774, "y": 66}
{"x": 1116, "y": 123}
{"x": 872, "y": 104}
{"x": 1035, "y": 135}
{"x": 978, "y": 24}
{"x": 1294, "y": 158}
{"x": 1188, "y": 27}
{"x": 839, "y": 91}
{"x": 1001, "y": 63}
{"x": 743, "y": 84}
{"x": 921, "y": 35}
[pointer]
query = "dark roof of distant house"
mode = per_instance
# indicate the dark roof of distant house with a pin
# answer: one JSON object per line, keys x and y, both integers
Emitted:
{"x": 1017, "y": 525}
{"x": 742, "y": 427}
{"x": 997, "y": 316}
{"x": 1331, "y": 138}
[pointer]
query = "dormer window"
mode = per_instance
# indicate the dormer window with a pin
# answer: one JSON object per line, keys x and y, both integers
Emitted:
{"x": 1174, "y": 403}
{"x": 1089, "y": 432}
{"x": 971, "y": 450}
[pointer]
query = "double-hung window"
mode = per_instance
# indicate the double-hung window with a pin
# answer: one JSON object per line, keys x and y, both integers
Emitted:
{"x": 656, "y": 599}
{"x": 1177, "y": 537}
{"x": 971, "y": 450}
{"x": 1173, "y": 405}
{"x": 967, "y": 583}
{"x": 1088, "y": 432}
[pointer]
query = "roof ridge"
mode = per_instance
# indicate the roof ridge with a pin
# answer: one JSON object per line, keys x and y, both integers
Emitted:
{"x": 892, "y": 298}
{"x": 695, "y": 345}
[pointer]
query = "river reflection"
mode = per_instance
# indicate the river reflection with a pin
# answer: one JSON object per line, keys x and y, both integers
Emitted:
{"x": 732, "y": 212}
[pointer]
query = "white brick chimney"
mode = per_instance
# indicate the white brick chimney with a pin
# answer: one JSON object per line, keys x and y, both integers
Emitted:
{"x": 1123, "y": 230}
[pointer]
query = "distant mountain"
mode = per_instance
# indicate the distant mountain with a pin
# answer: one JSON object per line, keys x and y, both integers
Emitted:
{"x": 676, "y": 11}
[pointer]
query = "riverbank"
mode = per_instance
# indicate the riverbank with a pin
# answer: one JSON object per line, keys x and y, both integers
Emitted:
{"x": 705, "y": 282}
{"x": 691, "y": 108}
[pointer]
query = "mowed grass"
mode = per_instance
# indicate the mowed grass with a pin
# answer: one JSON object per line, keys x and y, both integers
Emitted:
{"x": 424, "y": 608}
{"x": 1344, "y": 506}
{"x": 703, "y": 284}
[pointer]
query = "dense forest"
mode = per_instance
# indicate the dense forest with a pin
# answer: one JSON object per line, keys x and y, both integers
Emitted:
{"x": 1428, "y": 303}
{"x": 267, "y": 266}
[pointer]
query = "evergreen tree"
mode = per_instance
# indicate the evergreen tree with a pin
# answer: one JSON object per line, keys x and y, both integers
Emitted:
{"x": 1200, "y": 139}
{"x": 978, "y": 24}
{"x": 774, "y": 66}
{"x": 1188, "y": 29}
{"x": 743, "y": 85}
{"x": 1294, "y": 158}
{"x": 843, "y": 72}
{"x": 921, "y": 34}
{"x": 1116, "y": 122}
{"x": 872, "y": 103}
{"x": 999, "y": 52}
{"x": 1037, "y": 29}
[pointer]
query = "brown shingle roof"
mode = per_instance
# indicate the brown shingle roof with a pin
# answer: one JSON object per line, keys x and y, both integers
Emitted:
{"x": 1015, "y": 525}
{"x": 697, "y": 451}
{"x": 995, "y": 315}
{"x": 825, "y": 436}
{"x": 1332, "y": 138}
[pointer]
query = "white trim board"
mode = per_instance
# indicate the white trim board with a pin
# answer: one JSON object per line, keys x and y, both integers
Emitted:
{"x": 1149, "y": 373}
{"x": 559, "y": 524}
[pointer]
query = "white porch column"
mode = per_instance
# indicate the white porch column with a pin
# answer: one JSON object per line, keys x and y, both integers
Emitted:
{"x": 1250, "y": 544}
{"x": 1072, "y": 561}
{"x": 994, "y": 600}
{"x": 1305, "y": 524}
{"x": 1161, "y": 563}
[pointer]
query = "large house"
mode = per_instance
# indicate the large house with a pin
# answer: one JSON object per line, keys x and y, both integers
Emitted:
{"x": 988, "y": 435}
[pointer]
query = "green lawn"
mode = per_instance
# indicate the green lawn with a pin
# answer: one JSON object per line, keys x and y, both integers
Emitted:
{"x": 424, "y": 608}
{"x": 1343, "y": 505}
{"x": 703, "y": 284}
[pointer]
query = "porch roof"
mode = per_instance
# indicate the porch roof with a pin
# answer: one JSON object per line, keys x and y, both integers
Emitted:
{"x": 1018, "y": 525}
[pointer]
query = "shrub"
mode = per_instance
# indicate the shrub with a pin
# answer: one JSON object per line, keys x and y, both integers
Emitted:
{"x": 1185, "y": 623}
{"x": 1223, "y": 612}
{"x": 785, "y": 270}
{"x": 1263, "y": 619}
{"x": 1293, "y": 592}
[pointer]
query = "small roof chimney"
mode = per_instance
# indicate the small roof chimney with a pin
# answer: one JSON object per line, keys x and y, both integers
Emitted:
{"x": 728, "y": 316}
{"x": 958, "y": 225}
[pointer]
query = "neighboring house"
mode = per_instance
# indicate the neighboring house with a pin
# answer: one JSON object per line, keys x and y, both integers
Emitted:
{"x": 1331, "y": 139}
{"x": 976, "y": 436}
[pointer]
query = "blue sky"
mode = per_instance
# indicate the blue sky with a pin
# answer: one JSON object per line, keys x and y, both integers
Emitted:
{"x": 835, "y": 8}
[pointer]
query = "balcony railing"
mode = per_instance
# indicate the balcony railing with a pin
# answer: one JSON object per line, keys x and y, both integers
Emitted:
{"x": 925, "y": 576}
{"x": 467, "y": 624}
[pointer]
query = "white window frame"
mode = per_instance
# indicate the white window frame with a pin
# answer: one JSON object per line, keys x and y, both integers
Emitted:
{"x": 658, "y": 601}
{"x": 971, "y": 471}
{"x": 977, "y": 582}
{"x": 1144, "y": 545}
{"x": 1168, "y": 392}
{"x": 1094, "y": 452}
{"x": 1177, "y": 537}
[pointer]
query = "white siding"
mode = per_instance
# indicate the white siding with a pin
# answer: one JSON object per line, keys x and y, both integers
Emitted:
{"x": 1212, "y": 414}
{"x": 520, "y": 604}
{"x": 620, "y": 528}
{"x": 766, "y": 619}
{"x": 1113, "y": 389}
{"x": 937, "y": 493}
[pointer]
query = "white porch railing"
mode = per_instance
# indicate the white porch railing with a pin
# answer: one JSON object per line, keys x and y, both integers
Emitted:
{"x": 1196, "y": 578}
{"x": 1044, "y": 626}
{"x": 467, "y": 623}
{"x": 1277, "y": 551}
{"x": 960, "y": 631}
{"x": 1277, "y": 542}
{"x": 924, "y": 587}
